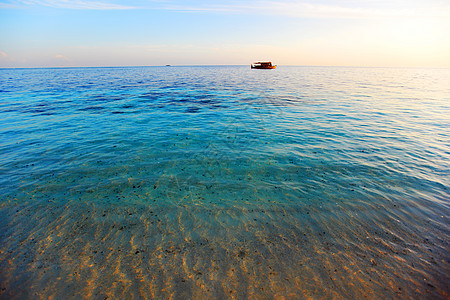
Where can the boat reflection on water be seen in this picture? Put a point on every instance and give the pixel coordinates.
(263, 65)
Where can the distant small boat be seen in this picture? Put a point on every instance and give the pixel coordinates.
(263, 65)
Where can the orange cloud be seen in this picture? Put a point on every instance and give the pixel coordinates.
(60, 56)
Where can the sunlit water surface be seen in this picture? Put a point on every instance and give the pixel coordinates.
(224, 182)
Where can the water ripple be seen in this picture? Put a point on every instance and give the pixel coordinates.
(206, 182)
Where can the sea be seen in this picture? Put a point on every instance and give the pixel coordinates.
(223, 182)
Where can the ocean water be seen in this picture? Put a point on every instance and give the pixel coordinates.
(224, 183)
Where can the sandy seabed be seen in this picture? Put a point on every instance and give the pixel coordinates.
(95, 251)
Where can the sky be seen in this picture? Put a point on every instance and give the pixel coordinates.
(379, 33)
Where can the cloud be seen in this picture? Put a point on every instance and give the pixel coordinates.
(75, 4)
(6, 59)
(62, 57)
(349, 9)
(344, 9)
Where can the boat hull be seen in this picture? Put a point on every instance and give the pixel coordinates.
(260, 67)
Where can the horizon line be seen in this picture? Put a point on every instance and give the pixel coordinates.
(227, 65)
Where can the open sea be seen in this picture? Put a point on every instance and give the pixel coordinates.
(222, 182)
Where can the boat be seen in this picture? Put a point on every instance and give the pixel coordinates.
(263, 65)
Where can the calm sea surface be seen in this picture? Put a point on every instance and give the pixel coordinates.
(224, 182)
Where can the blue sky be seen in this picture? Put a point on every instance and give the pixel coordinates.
(43, 33)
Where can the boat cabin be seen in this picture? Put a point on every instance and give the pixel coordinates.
(263, 65)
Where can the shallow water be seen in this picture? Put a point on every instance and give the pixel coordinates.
(224, 182)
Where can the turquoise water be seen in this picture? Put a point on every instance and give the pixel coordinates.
(224, 182)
